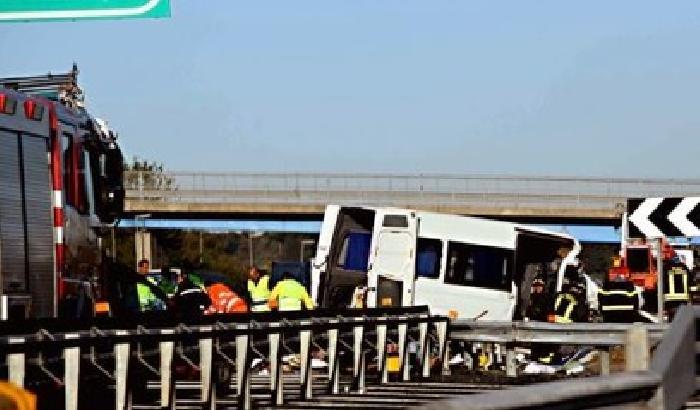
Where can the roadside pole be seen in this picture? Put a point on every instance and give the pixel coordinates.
(659, 279)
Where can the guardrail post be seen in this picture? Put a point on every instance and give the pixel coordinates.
(675, 360)
(16, 365)
(358, 364)
(243, 371)
(122, 357)
(511, 367)
(306, 372)
(167, 381)
(637, 348)
(71, 375)
(381, 353)
(605, 361)
(404, 367)
(443, 347)
(333, 368)
(273, 340)
(423, 341)
(276, 373)
(206, 371)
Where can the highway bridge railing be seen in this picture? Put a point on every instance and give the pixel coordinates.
(666, 383)
(431, 191)
(114, 348)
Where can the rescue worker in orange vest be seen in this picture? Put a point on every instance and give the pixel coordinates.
(224, 300)
(15, 398)
(259, 289)
(289, 295)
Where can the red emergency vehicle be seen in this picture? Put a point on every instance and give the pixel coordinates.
(60, 189)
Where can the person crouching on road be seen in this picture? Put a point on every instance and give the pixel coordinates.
(259, 289)
(289, 295)
(224, 300)
(190, 300)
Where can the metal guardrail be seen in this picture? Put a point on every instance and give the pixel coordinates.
(667, 384)
(115, 346)
(511, 334)
(404, 189)
(581, 334)
(230, 339)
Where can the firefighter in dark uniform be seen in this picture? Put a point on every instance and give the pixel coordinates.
(676, 285)
(570, 304)
(619, 300)
(540, 301)
(190, 300)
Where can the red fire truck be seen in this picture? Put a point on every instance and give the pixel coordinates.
(60, 189)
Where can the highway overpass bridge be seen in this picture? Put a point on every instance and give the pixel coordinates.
(304, 195)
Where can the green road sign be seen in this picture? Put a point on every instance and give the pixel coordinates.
(30, 10)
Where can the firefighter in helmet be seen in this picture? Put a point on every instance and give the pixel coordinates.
(619, 300)
(540, 301)
(570, 304)
(676, 285)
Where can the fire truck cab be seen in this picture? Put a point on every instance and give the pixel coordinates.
(60, 187)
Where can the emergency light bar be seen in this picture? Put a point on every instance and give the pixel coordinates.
(8, 105)
(33, 111)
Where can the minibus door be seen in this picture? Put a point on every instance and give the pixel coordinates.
(392, 263)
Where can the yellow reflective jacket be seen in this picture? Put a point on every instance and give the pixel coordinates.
(259, 293)
(290, 295)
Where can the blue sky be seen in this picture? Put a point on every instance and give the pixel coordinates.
(454, 86)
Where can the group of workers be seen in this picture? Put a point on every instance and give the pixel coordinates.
(568, 305)
(619, 301)
(186, 294)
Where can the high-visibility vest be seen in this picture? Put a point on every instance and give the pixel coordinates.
(564, 307)
(224, 300)
(618, 300)
(147, 300)
(16, 398)
(290, 295)
(677, 285)
(259, 293)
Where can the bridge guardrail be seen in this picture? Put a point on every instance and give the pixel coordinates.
(422, 190)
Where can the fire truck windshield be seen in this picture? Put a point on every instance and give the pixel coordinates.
(638, 259)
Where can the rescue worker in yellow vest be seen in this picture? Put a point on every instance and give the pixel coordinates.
(259, 290)
(289, 295)
(149, 295)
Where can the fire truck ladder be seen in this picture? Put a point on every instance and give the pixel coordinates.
(59, 87)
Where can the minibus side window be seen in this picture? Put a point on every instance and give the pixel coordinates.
(428, 257)
(480, 266)
(354, 253)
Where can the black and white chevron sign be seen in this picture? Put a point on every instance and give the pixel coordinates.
(658, 217)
